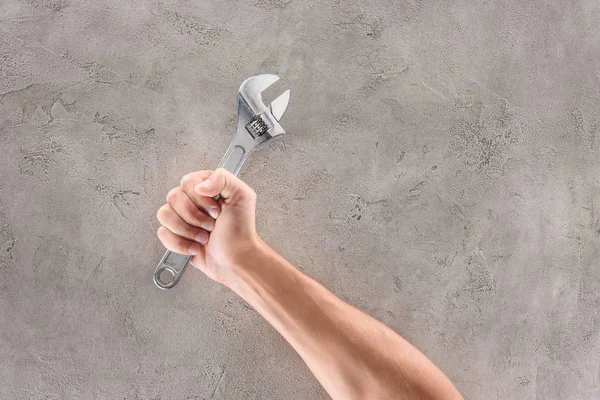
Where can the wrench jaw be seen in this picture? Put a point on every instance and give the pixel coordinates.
(256, 122)
(265, 119)
(252, 88)
(280, 104)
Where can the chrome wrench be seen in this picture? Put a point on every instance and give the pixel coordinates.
(256, 124)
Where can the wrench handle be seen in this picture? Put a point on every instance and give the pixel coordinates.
(234, 158)
(171, 265)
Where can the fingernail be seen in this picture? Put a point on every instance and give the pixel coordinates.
(202, 185)
(202, 237)
(208, 225)
(194, 249)
(213, 212)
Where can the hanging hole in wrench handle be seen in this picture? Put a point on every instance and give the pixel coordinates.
(169, 269)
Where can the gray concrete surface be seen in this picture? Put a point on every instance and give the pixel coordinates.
(441, 172)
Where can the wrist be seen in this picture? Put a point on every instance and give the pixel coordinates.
(247, 263)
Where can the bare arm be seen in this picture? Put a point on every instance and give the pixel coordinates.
(353, 355)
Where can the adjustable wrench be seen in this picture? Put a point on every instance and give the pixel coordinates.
(256, 124)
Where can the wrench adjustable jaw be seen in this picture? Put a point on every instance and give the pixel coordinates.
(256, 124)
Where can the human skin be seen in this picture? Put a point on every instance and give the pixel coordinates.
(353, 355)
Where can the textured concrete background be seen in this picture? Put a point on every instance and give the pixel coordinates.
(441, 172)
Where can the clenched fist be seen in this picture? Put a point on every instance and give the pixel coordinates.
(217, 233)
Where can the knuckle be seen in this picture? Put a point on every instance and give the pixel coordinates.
(162, 212)
(185, 180)
(172, 195)
(161, 233)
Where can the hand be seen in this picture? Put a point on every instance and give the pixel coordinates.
(218, 234)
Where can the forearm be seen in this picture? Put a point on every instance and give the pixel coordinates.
(352, 355)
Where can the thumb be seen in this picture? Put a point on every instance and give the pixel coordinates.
(221, 182)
